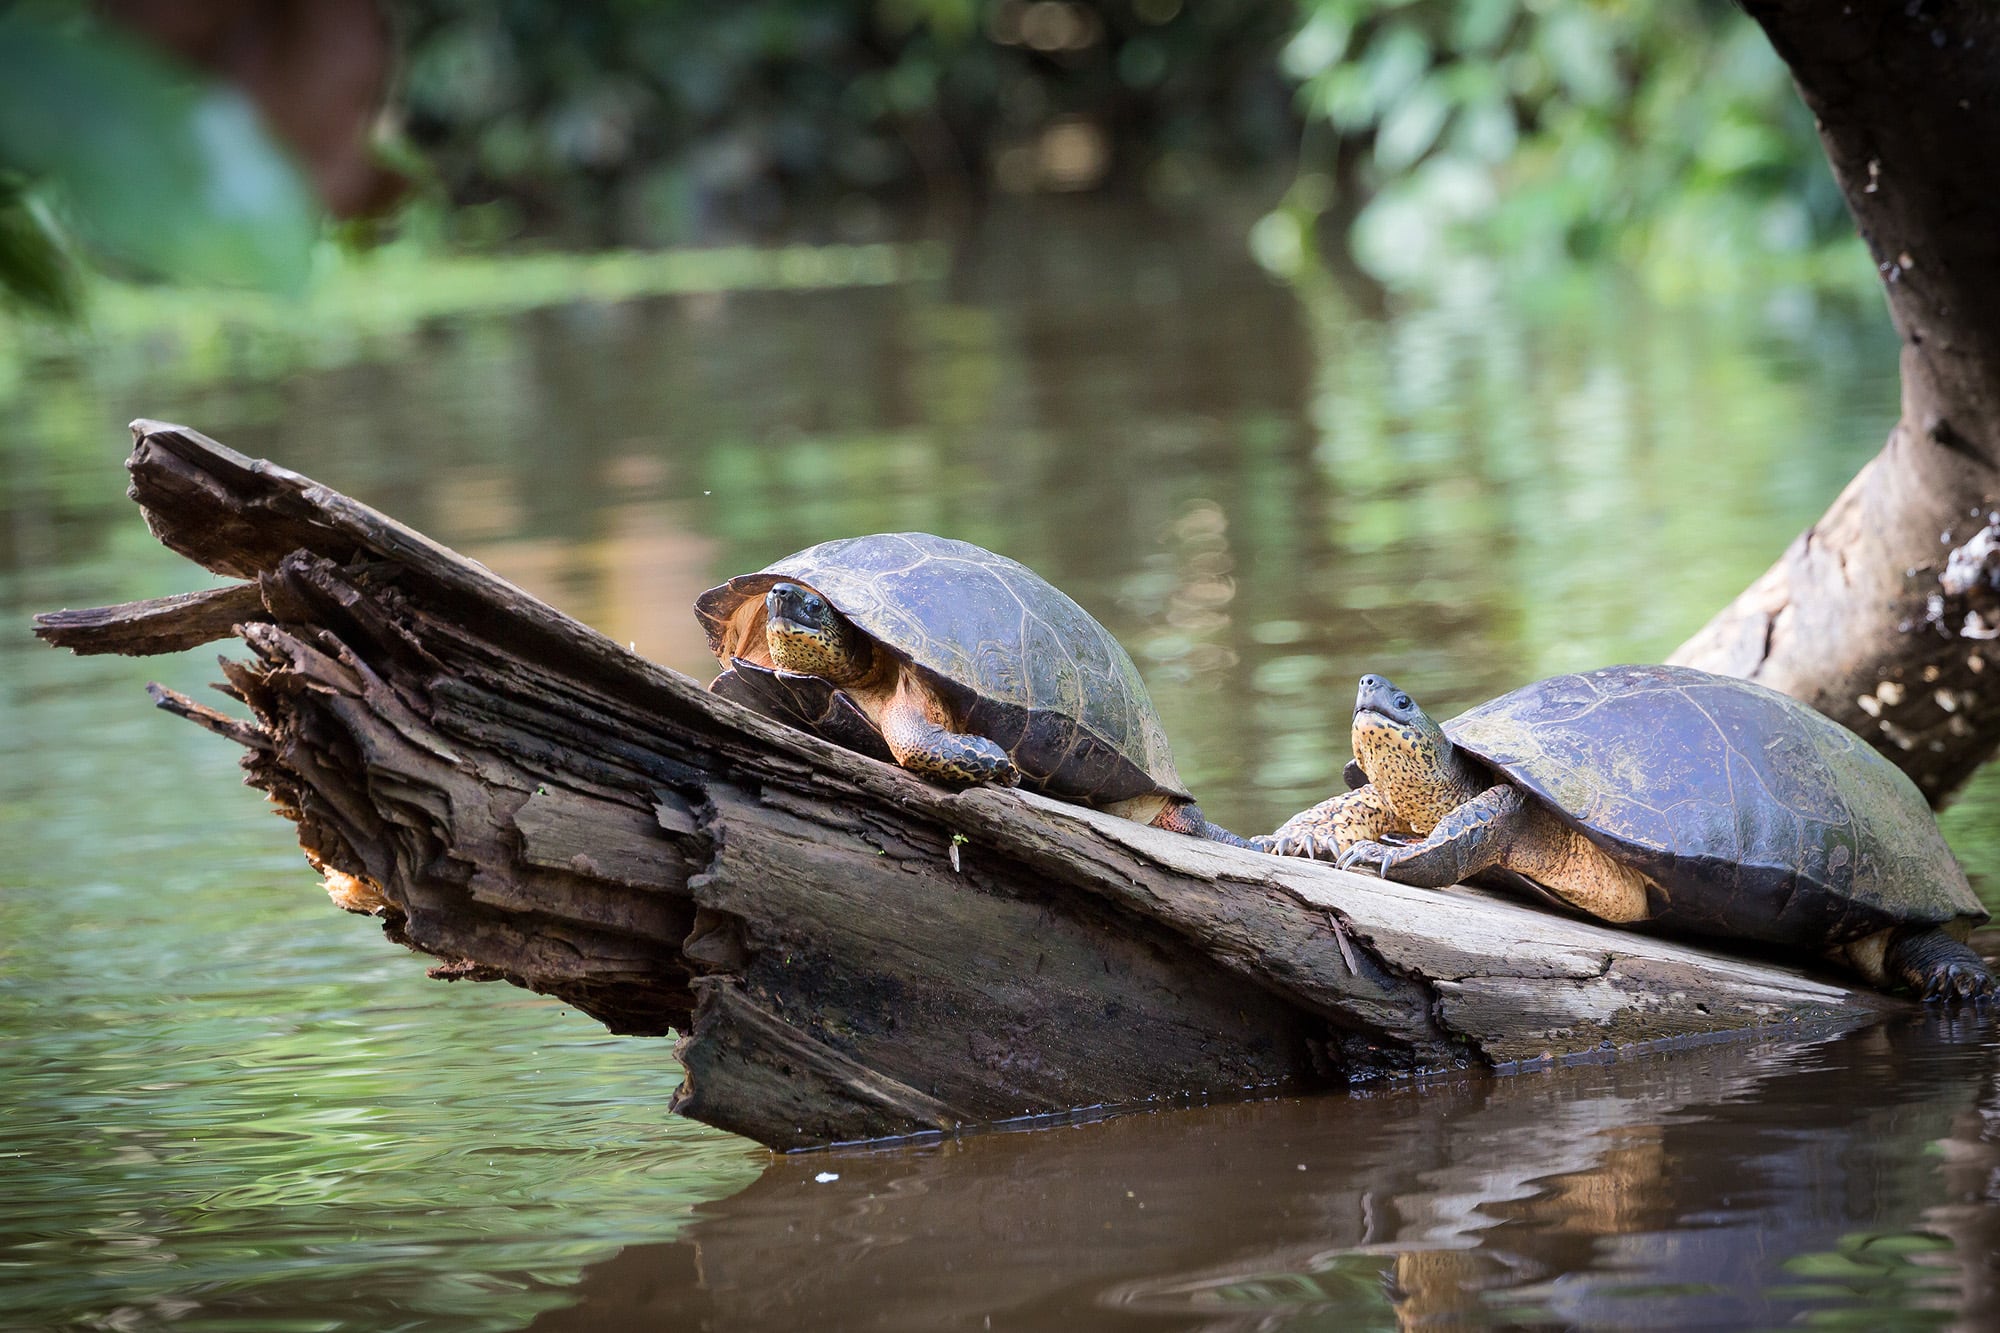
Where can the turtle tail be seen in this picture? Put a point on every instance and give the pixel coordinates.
(1186, 817)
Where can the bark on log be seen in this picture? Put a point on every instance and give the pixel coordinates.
(1882, 614)
(851, 952)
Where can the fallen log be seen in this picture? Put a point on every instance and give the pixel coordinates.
(848, 951)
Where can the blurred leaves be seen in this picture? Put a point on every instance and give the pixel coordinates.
(150, 169)
(34, 267)
(644, 123)
(318, 72)
(1667, 137)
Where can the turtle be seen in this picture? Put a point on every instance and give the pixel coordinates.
(956, 663)
(1663, 797)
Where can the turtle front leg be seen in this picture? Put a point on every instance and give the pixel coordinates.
(926, 746)
(1334, 825)
(1936, 966)
(1472, 837)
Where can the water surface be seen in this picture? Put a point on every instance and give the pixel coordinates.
(227, 1105)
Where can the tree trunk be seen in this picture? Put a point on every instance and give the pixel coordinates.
(1882, 614)
(850, 951)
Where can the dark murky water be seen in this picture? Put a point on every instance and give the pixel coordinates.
(1738, 1187)
(225, 1105)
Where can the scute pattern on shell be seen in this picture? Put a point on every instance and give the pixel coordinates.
(1756, 815)
(1031, 669)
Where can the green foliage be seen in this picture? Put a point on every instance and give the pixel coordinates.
(35, 268)
(146, 167)
(650, 122)
(1668, 137)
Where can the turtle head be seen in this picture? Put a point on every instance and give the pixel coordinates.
(805, 634)
(1406, 756)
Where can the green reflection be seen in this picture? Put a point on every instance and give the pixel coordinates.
(1340, 1291)
(1892, 1280)
(225, 1102)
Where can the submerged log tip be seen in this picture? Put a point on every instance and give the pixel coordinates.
(784, 1088)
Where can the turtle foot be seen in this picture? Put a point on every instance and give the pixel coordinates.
(1186, 817)
(1364, 856)
(1959, 982)
(1940, 969)
(953, 758)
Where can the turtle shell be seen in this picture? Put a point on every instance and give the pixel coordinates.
(1017, 660)
(1754, 815)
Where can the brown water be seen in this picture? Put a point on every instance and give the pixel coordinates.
(225, 1105)
(1746, 1187)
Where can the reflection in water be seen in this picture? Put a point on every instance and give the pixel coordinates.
(1737, 1187)
(225, 1102)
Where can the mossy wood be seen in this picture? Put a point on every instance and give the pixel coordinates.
(849, 951)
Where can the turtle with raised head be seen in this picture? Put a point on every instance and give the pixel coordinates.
(1667, 797)
(954, 662)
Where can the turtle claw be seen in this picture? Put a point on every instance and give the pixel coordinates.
(1366, 854)
(1958, 982)
(1282, 843)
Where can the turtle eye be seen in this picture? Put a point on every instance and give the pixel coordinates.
(1402, 701)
